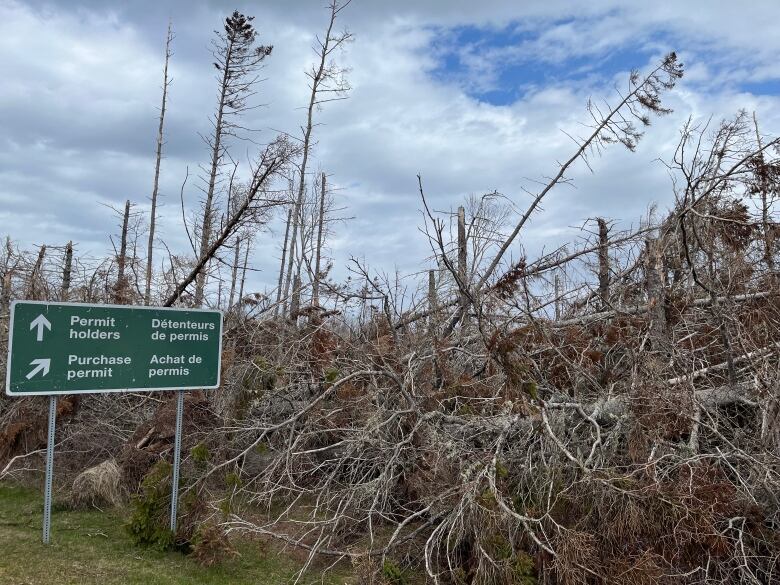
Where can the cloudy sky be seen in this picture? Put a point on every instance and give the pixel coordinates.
(474, 96)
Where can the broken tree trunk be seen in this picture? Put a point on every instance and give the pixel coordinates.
(284, 256)
(66, 272)
(121, 286)
(32, 283)
(655, 295)
(462, 262)
(433, 303)
(603, 263)
(315, 291)
(234, 274)
(243, 278)
(5, 295)
(295, 302)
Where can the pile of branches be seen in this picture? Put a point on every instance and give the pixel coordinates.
(567, 452)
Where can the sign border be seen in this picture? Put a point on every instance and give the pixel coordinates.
(12, 310)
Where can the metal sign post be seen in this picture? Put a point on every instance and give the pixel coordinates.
(176, 458)
(49, 469)
(74, 348)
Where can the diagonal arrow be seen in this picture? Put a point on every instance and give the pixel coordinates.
(40, 364)
(40, 322)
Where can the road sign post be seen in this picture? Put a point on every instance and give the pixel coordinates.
(176, 459)
(73, 348)
(49, 469)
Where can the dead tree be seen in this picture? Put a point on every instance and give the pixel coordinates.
(603, 263)
(158, 160)
(295, 302)
(433, 302)
(237, 61)
(326, 84)
(67, 268)
(9, 266)
(5, 294)
(462, 262)
(35, 276)
(243, 276)
(234, 272)
(284, 257)
(315, 285)
(121, 286)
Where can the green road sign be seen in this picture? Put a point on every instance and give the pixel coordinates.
(71, 348)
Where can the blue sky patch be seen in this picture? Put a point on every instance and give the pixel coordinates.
(766, 87)
(510, 68)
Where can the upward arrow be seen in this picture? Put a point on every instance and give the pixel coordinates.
(40, 322)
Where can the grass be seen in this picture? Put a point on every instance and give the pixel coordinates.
(92, 547)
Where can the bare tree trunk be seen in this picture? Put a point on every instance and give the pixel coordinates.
(291, 256)
(655, 295)
(153, 215)
(315, 292)
(769, 256)
(433, 326)
(462, 261)
(66, 272)
(303, 259)
(205, 237)
(297, 212)
(557, 293)
(284, 257)
(433, 303)
(295, 302)
(5, 285)
(678, 260)
(299, 262)
(243, 278)
(120, 289)
(32, 289)
(5, 297)
(235, 273)
(603, 263)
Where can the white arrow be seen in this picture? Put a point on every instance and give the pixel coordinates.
(40, 364)
(40, 322)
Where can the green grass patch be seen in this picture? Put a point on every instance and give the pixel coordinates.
(93, 547)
